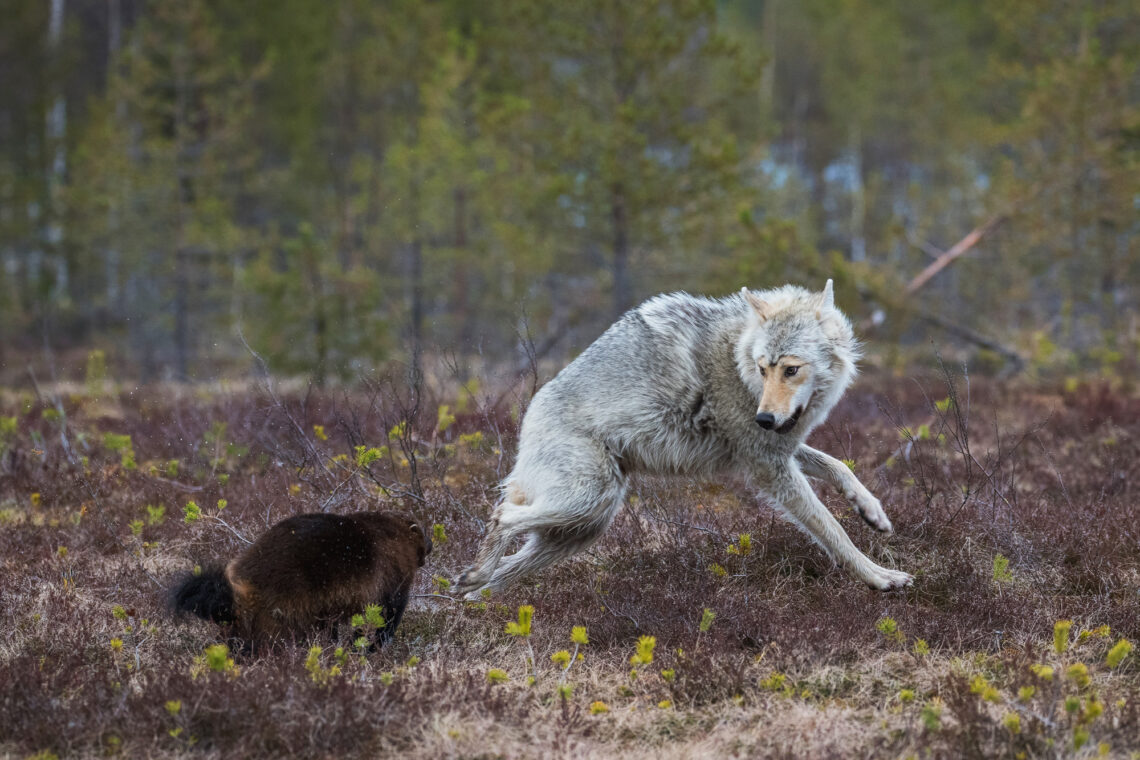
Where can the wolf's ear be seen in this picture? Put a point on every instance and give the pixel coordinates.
(762, 308)
(826, 300)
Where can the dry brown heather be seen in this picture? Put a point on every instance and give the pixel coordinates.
(800, 661)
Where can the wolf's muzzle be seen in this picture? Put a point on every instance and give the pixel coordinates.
(791, 422)
(766, 420)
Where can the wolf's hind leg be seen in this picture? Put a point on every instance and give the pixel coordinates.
(490, 553)
(564, 518)
(825, 467)
(790, 489)
(542, 548)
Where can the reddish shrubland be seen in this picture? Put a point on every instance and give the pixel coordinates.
(1013, 506)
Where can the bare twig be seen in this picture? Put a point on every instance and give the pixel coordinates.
(231, 529)
(956, 250)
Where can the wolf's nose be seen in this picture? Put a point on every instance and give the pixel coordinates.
(766, 420)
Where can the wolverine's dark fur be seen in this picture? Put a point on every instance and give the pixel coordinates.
(310, 569)
(208, 595)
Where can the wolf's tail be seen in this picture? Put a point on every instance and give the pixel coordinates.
(207, 594)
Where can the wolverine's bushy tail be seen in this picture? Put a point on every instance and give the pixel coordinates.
(207, 594)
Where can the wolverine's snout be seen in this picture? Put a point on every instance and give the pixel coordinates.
(766, 420)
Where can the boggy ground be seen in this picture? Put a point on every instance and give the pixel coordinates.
(1014, 506)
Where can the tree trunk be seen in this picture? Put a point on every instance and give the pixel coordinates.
(416, 277)
(623, 288)
(111, 254)
(858, 199)
(181, 316)
(461, 303)
(184, 197)
(56, 130)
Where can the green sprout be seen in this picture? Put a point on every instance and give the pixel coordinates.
(367, 455)
(645, 647)
(191, 512)
(522, 627)
(1118, 652)
(1061, 635)
(1001, 569)
(890, 629)
(445, 418)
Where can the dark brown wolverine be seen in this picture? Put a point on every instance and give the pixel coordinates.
(311, 569)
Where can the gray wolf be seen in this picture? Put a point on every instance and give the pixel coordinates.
(692, 386)
(311, 569)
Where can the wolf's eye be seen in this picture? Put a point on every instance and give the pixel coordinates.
(789, 371)
(762, 372)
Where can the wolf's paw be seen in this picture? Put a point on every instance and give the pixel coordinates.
(468, 583)
(882, 579)
(869, 508)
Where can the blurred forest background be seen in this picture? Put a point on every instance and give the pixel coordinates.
(354, 182)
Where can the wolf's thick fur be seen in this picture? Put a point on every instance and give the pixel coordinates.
(687, 386)
(311, 569)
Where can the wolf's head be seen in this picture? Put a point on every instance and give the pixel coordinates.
(796, 354)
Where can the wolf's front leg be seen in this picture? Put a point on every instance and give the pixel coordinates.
(792, 493)
(825, 467)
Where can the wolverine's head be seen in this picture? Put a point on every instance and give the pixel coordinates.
(422, 540)
(796, 350)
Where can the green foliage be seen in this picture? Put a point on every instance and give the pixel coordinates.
(889, 628)
(121, 444)
(216, 659)
(472, 440)
(1001, 569)
(96, 373)
(155, 514)
(373, 616)
(1118, 652)
(319, 674)
(931, 715)
(445, 418)
(707, 618)
(1061, 635)
(645, 647)
(438, 535)
(521, 627)
(1078, 673)
(191, 512)
(497, 675)
(364, 455)
(742, 546)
